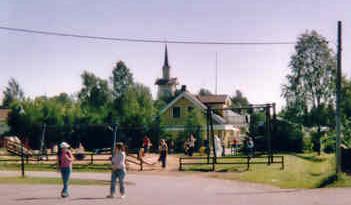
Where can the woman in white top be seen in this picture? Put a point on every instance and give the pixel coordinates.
(118, 171)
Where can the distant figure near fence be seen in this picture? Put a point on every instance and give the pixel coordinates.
(65, 159)
(250, 146)
(235, 147)
(163, 149)
(146, 144)
(189, 145)
(218, 146)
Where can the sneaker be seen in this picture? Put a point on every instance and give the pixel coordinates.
(111, 196)
(64, 194)
(123, 196)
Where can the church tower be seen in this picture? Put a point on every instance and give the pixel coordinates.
(166, 84)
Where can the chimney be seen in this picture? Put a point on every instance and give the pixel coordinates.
(183, 88)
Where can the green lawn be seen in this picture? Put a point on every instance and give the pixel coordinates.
(301, 171)
(49, 167)
(49, 180)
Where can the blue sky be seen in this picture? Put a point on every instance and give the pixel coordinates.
(50, 65)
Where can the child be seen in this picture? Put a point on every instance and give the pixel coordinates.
(65, 160)
(118, 171)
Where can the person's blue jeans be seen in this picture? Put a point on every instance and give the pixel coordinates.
(120, 174)
(65, 173)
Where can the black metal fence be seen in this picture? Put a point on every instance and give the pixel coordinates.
(212, 162)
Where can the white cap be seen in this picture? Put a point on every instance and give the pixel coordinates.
(64, 145)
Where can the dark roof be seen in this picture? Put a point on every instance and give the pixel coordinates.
(212, 99)
(172, 81)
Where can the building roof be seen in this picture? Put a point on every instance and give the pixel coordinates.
(3, 114)
(172, 81)
(213, 99)
(218, 119)
(188, 96)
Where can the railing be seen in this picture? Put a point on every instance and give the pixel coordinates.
(89, 159)
(231, 160)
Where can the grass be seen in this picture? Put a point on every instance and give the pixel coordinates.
(301, 171)
(50, 167)
(49, 180)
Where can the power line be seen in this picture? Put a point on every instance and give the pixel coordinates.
(143, 40)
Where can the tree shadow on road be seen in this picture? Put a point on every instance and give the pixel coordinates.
(58, 198)
(259, 192)
(88, 198)
(37, 198)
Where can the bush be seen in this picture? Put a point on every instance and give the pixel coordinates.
(288, 137)
(328, 142)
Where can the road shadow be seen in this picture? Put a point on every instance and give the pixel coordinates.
(59, 198)
(37, 198)
(259, 192)
(88, 198)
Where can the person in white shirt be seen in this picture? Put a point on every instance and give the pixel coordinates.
(118, 171)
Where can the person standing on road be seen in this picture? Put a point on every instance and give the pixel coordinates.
(118, 171)
(65, 159)
(163, 149)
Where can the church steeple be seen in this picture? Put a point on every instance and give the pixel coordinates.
(166, 67)
(166, 57)
(166, 84)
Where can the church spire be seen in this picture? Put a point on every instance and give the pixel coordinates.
(165, 64)
(166, 67)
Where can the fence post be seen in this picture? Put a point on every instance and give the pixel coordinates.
(208, 149)
(141, 164)
(283, 162)
(92, 158)
(213, 164)
(22, 160)
(180, 163)
(248, 163)
(42, 141)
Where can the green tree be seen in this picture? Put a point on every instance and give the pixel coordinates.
(137, 114)
(239, 100)
(121, 79)
(310, 84)
(137, 106)
(204, 92)
(13, 92)
(195, 123)
(345, 105)
(95, 97)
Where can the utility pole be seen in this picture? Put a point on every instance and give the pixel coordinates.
(42, 141)
(22, 159)
(216, 75)
(338, 96)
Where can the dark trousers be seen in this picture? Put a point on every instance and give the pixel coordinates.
(163, 158)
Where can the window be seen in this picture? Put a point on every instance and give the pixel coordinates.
(176, 112)
(190, 109)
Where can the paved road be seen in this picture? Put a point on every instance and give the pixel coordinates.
(170, 190)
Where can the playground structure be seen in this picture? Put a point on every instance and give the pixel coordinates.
(212, 159)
